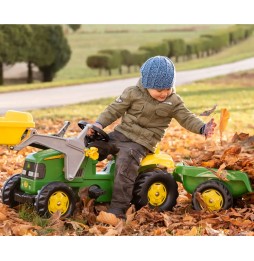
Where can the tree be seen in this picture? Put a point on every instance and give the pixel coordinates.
(74, 27)
(99, 61)
(50, 51)
(14, 45)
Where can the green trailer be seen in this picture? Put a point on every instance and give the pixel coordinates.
(208, 190)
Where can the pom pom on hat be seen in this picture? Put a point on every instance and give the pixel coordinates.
(158, 73)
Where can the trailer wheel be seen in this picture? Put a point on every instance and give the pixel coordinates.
(214, 195)
(10, 187)
(157, 188)
(53, 197)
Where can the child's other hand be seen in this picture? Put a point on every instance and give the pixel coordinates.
(209, 128)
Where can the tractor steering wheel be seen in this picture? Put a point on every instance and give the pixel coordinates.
(99, 134)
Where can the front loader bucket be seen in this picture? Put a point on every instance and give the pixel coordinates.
(13, 125)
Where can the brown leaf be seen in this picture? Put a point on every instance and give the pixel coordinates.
(167, 219)
(221, 173)
(2, 217)
(213, 232)
(95, 230)
(77, 225)
(208, 112)
(55, 221)
(192, 232)
(108, 218)
(224, 117)
(116, 231)
(231, 155)
(208, 164)
(201, 201)
(130, 214)
(239, 137)
(24, 230)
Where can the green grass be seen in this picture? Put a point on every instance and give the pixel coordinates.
(61, 83)
(28, 213)
(89, 110)
(238, 100)
(200, 96)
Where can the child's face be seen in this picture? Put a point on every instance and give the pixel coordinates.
(160, 95)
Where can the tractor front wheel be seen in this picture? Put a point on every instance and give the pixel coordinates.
(213, 194)
(53, 197)
(157, 188)
(10, 187)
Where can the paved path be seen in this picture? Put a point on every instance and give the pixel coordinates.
(29, 100)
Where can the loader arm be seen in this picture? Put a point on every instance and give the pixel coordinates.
(72, 148)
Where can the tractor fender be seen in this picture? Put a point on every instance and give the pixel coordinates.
(158, 159)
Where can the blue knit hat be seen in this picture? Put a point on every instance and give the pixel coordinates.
(158, 73)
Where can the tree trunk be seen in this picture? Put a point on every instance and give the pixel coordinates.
(1, 74)
(47, 74)
(29, 73)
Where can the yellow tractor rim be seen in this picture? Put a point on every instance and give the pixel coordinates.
(213, 199)
(157, 194)
(58, 201)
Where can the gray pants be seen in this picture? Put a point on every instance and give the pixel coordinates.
(127, 164)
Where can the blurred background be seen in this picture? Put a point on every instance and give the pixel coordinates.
(79, 53)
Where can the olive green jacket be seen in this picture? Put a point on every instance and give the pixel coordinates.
(144, 119)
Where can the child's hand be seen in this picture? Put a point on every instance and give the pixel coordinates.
(97, 124)
(91, 131)
(209, 128)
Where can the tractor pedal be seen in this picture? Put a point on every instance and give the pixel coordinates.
(94, 192)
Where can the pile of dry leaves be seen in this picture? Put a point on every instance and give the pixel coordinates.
(222, 152)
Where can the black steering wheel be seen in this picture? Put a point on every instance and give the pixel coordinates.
(99, 134)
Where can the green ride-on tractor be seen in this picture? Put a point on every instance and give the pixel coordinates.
(52, 177)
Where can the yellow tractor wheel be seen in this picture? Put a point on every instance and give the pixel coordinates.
(53, 197)
(155, 188)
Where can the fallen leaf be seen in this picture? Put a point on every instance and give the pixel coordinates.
(108, 218)
(213, 232)
(192, 232)
(2, 217)
(224, 117)
(208, 112)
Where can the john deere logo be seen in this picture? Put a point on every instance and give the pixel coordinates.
(28, 165)
(25, 184)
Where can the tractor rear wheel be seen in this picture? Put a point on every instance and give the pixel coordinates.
(10, 187)
(155, 188)
(214, 195)
(53, 197)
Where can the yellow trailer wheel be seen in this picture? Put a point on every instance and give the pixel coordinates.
(212, 195)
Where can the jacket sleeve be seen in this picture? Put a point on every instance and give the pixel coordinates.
(116, 109)
(186, 118)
